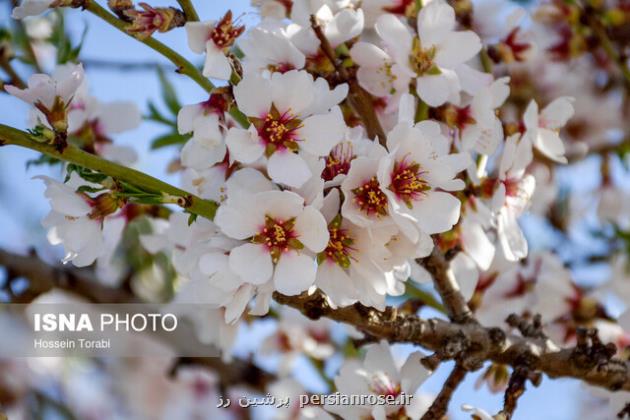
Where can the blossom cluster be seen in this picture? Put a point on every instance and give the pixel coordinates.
(350, 141)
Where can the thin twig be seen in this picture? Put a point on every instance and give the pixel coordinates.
(360, 100)
(189, 10)
(446, 285)
(440, 404)
(182, 65)
(14, 78)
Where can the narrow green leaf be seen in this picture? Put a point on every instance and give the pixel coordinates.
(169, 140)
(168, 92)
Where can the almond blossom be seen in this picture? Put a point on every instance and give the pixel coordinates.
(430, 58)
(214, 39)
(417, 166)
(269, 48)
(542, 129)
(355, 265)
(81, 223)
(350, 172)
(282, 237)
(32, 8)
(378, 374)
(52, 95)
(291, 114)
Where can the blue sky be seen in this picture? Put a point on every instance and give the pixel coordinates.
(23, 204)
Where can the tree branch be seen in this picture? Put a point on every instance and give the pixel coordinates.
(14, 78)
(584, 362)
(477, 342)
(446, 285)
(189, 10)
(73, 154)
(360, 100)
(439, 406)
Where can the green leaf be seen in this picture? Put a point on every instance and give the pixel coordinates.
(157, 116)
(73, 55)
(88, 189)
(87, 174)
(43, 160)
(168, 92)
(191, 218)
(169, 140)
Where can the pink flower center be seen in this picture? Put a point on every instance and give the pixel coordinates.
(458, 117)
(278, 131)
(225, 33)
(278, 237)
(381, 384)
(370, 199)
(339, 246)
(338, 161)
(407, 181)
(402, 7)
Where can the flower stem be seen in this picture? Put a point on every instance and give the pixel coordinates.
(422, 112)
(14, 78)
(73, 154)
(189, 10)
(183, 66)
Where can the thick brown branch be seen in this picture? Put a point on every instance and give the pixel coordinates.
(475, 341)
(440, 404)
(360, 100)
(480, 343)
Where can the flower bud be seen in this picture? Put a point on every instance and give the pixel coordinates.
(145, 22)
(57, 115)
(105, 204)
(119, 7)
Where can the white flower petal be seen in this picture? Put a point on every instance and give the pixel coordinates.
(253, 96)
(434, 90)
(252, 263)
(198, 34)
(435, 21)
(236, 307)
(457, 48)
(236, 222)
(292, 91)
(312, 229)
(413, 373)
(294, 274)
(288, 168)
(437, 212)
(396, 35)
(244, 145)
(217, 65)
(320, 133)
